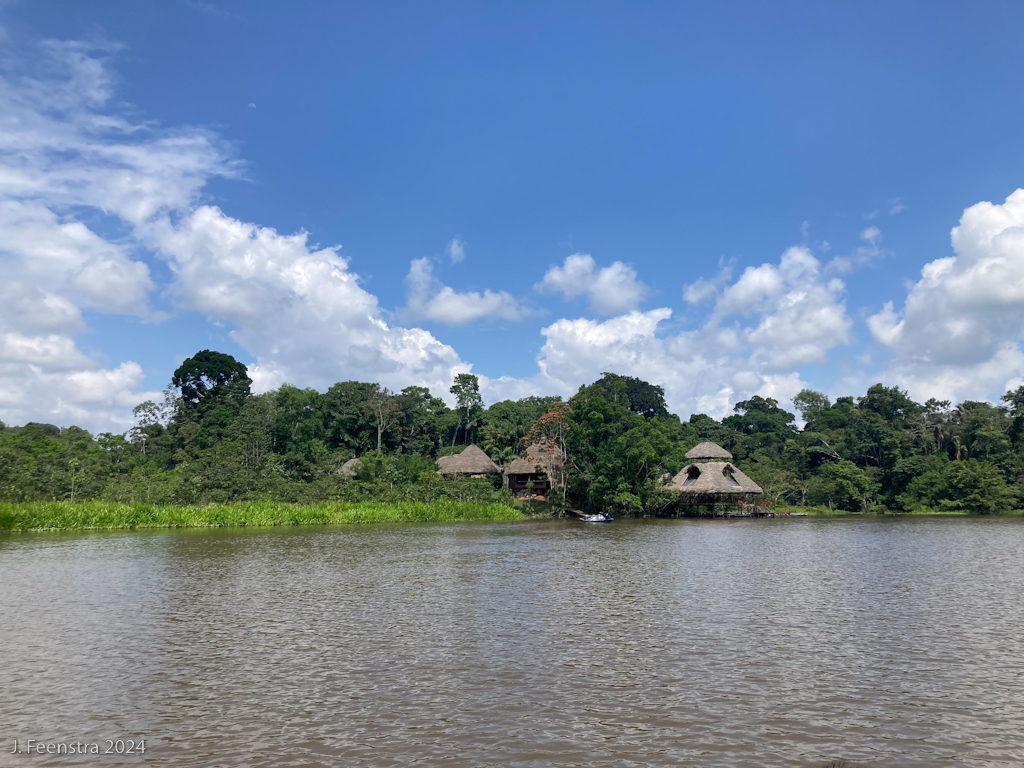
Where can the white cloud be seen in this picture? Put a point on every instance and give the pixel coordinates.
(703, 289)
(28, 309)
(795, 317)
(871, 235)
(958, 332)
(302, 313)
(46, 378)
(801, 313)
(428, 299)
(611, 290)
(66, 256)
(456, 250)
(861, 256)
(299, 311)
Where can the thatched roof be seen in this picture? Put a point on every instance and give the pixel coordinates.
(472, 461)
(539, 457)
(349, 468)
(708, 450)
(712, 477)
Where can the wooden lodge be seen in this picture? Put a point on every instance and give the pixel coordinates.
(535, 472)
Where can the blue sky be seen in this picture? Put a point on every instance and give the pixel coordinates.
(673, 143)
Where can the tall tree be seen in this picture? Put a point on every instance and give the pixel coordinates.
(346, 425)
(419, 421)
(385, 411)
(468, 402)
(210, 376)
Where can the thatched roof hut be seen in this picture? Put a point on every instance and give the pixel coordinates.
(712, 478)
(538, 458)
(472, 462)
(707, 450)
(349, 468)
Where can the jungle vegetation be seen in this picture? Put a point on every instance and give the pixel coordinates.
(211, 441)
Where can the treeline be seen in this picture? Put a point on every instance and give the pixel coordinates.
(212, 441)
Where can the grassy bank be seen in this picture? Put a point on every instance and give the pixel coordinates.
(62, 515)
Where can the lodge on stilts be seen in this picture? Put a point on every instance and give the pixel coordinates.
(535, 472)
(712, 486)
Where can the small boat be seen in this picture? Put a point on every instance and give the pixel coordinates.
(597, 518)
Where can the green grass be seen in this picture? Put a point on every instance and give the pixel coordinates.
(63, 515)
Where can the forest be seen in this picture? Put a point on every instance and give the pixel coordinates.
(211, 441)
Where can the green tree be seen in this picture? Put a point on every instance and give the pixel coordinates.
(209, 377)
(420, 421)
(385, 411)
(346, 425)
(468, 402)
(843, 485)
(812, 405)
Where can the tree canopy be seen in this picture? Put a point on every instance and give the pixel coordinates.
(210, 439)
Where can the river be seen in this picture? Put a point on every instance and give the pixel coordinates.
(761, 643)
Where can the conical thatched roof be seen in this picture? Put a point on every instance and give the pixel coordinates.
(349, 468)
(708, 450)
(472, 461)
(539, 457)
(712, 477)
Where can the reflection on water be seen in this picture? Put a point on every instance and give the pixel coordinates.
(693, 643)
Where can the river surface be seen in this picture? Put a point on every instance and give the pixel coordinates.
(642, 643)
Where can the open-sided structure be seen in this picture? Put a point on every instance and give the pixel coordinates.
(711, 482)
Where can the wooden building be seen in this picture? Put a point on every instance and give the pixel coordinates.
(536, 472)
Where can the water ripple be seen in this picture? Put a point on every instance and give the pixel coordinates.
(644, 643)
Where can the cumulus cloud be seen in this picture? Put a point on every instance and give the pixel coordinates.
(59, 152)
(46, 378)
(298, 310)
(68, 160)
(428, 299)
(610, 290)
(802, 315)
(772, 319)
(958, 332)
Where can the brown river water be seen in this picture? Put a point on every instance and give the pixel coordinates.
(641, 643)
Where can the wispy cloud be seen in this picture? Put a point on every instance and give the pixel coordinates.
(456, 250)
(209, 9)
(862, 255)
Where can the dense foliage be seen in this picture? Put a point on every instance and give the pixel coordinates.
(212, 441)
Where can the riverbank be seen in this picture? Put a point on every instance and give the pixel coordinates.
(85, 515)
